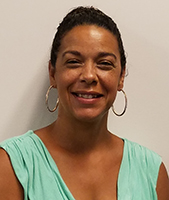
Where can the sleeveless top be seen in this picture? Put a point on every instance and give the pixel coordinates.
(40, 178)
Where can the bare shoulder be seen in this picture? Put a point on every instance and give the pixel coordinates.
(163, 184)
(42, 132)
(45, 134)
(8, 180)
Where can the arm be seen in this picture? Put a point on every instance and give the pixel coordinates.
(10, 188)
(162, 184)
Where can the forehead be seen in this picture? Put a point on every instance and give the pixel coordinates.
(89, 37)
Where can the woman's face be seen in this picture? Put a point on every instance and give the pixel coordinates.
(87, 74)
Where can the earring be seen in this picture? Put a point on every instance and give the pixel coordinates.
(47, 96)
(125, 107)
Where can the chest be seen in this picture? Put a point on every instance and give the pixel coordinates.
(95, 180)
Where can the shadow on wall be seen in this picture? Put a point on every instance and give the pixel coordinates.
(40, 115)
(30, 112)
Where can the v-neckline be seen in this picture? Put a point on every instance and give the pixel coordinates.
(55, 167)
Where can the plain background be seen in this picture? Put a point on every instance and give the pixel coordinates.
(26, 32)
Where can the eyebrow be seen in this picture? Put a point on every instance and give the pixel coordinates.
(100, 54)
(76, 53)
(104, 54)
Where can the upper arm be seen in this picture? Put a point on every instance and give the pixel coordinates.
(10, 188)
(163, 184)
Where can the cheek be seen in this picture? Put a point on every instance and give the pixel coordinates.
(64, 79)
(110, 80)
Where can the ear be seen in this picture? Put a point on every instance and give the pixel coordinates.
(52, 72)
(121, 80)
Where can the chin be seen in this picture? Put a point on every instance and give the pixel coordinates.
(91, 117)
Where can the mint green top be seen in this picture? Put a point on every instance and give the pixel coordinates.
(41, 180)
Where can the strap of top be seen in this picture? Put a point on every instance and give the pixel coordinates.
(138, 173)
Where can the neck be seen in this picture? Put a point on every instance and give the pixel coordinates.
(78, 136)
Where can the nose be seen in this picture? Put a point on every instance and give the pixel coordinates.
(89, 74)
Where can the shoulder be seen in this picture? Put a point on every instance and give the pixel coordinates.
(143, 154)
(144, 160)
(8, 180)
(15, 154)
(163, 184)
(21, 151)
(17, 143)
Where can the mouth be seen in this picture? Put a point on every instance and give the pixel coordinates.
(87, 96)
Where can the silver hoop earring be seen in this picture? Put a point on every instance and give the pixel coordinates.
(47, 96)
(125, 107)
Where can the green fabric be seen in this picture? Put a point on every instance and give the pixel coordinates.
(41, 180)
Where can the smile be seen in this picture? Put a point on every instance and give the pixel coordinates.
(88, 96)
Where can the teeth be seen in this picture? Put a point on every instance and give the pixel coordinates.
(87, 96)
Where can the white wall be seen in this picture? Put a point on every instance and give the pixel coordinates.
(26, 32)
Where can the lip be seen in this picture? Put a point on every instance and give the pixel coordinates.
(93, 93)
(87, 97)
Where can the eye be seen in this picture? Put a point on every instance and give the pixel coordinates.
(105, 65)
(73, 63)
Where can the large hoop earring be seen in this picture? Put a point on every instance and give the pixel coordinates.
(125, 107)
(47, 96)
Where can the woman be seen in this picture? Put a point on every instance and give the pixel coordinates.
(76, 157)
